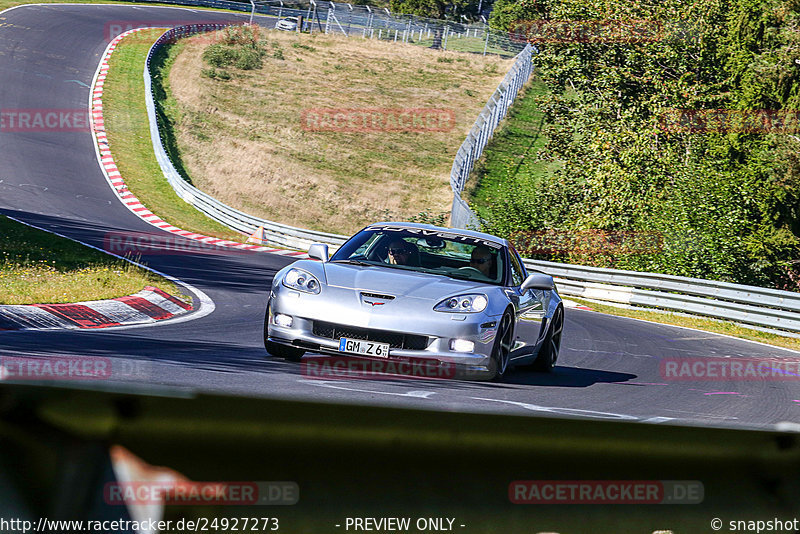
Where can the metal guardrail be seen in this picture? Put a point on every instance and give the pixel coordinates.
(749, 305)
(277, 233)
(461, 216)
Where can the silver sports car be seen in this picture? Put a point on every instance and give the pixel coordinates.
(403, 292)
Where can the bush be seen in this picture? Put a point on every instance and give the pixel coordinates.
(215, 74)
(244, 57)
(249, 58)
(220, 55)
(725, 201)
(241, 35)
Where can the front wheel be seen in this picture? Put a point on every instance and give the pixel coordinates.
(276, 349)
(548, 354)
(502, 348)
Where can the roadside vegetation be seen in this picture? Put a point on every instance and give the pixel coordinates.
(614, 143)
(511, 161)
(37, 267)
(237, 118)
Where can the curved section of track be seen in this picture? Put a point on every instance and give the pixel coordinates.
(609, 367)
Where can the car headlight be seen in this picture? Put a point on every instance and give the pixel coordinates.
(301, 281)
(471, 303)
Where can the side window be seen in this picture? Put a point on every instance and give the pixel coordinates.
(517, 270)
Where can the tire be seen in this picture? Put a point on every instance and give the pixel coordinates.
(276, 349)
(501, 350)
(548, 354)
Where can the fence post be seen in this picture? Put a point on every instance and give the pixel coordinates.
(486, 44)
(444, 46)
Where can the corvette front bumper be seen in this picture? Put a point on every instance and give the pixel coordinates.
(440, 329)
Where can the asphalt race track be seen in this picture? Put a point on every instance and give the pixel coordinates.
(608, 367)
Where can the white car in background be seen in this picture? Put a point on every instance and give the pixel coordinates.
(288, 24)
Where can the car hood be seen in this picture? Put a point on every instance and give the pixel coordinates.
(396, 282)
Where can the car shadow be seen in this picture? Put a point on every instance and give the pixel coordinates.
(560, 376)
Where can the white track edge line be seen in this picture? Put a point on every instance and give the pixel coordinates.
(692, 329)
(206, 306)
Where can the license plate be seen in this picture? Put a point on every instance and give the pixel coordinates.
(367, 348)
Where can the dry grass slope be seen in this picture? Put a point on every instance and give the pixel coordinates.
(242, 140)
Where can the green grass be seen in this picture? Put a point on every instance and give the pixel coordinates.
(37, 267)
(512, 152)
(474, 45)
(243, 140)
(129, 136)
(699, 323)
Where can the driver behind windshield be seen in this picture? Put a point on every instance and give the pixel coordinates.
(483, 260)
(401, 252)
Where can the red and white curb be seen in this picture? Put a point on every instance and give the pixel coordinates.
(117, 182)
(147, 306)
(572, 304)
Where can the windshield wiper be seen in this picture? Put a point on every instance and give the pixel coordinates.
(354, 262)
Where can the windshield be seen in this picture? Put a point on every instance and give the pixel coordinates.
(452, 255)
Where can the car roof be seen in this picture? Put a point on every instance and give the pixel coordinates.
(456, 231)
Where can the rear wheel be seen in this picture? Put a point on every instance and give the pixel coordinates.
(548, 354)
(502, 348)
(276, 349)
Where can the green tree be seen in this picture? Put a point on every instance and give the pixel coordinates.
(437, 9)
(505, 13)
(726, 201)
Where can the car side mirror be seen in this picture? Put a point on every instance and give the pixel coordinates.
(318, 251)
(538, 281)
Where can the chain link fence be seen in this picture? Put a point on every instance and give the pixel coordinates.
(461, 216)
(379, 23)
(375, 23)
